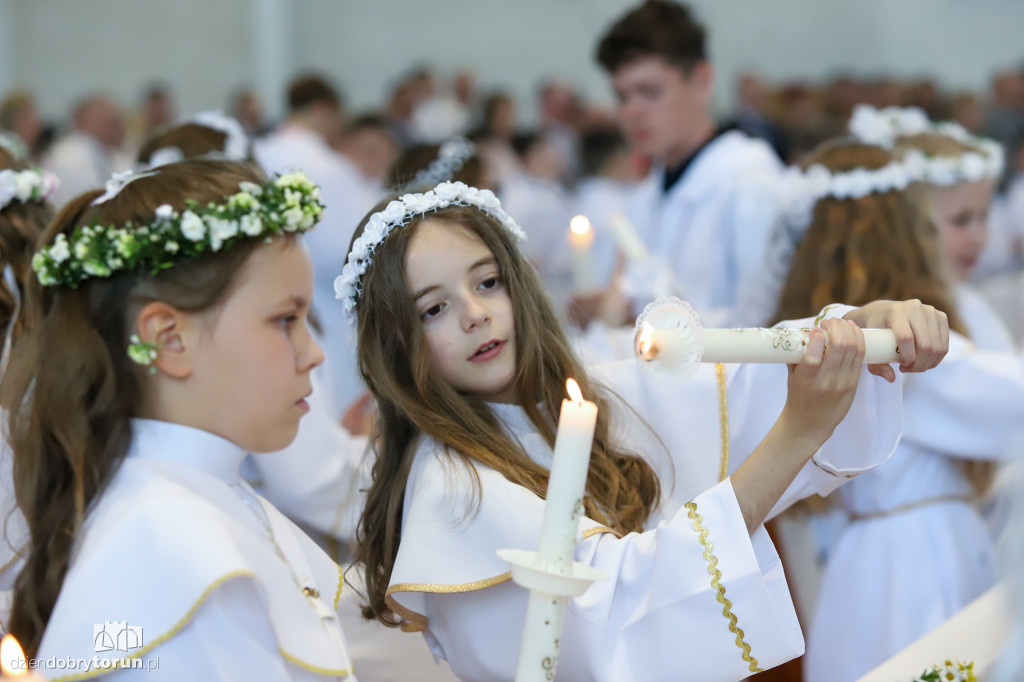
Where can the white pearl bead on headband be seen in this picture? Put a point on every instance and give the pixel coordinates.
(348, 285)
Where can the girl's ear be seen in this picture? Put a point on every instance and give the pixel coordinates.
(173, 334)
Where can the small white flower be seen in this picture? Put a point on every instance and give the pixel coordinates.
(60, 251)
(251, 225)
(221, 231)
(164, 212)
(293, 218)
(447, 191)
(394, 211)
(973, 167)
(251, 188)
(26, 184)
(81, 250)
(171, 246)
(192, 226)
(418, 203)
(360, 249)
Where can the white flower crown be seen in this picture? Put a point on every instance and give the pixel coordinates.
(25, 185)
(348, 285)
(800, 190)
(236, 143)
(883, 127)
(451, 157)
(290, 203)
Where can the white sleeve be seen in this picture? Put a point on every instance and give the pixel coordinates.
(866, 437)
(696, 598)
(970, 406)
(228, 638)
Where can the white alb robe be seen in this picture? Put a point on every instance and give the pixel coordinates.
(712, 226)
(917, 550)
(214, 576)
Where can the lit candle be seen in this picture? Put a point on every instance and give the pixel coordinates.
(628, 240)
(581, 239)
(670, 334)
(12, 658)
(563, 504)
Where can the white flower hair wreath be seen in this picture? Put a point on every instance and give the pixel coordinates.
(883, 127)
(348, 285)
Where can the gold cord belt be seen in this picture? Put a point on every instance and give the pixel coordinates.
(911, 505)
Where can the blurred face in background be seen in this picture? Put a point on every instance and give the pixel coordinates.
(101, 119)
(960, 213)
(663, 111)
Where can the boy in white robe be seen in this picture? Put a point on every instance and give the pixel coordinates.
(710, 201)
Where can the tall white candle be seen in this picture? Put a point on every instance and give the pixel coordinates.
(563, 505)
(628, 240)
(581, 239)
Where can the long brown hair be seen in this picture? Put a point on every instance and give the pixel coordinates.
(21, 224)
(881, 246)
(70, 385)
(394, 360)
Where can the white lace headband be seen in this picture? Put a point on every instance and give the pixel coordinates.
(348, 285)
(451, 157)
(883, 127)
(236, 143)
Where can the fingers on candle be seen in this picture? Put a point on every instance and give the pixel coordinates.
(815, 352)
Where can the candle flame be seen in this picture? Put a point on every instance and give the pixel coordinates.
(644, 342)
(12, 658)
(579, 224)
(575, 394)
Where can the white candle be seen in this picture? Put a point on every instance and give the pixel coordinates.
(672, 346)
(628, 240)
(12, 658)
(581, 239)
(563, 504)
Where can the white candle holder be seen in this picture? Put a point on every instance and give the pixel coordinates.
(550, 587)
(670, 336)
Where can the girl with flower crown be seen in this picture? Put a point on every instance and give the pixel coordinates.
(461, 347)
(24, 213)
(165, 339)
(915, 550)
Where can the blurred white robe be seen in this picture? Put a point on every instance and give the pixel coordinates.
(712, 226)
(917, 550)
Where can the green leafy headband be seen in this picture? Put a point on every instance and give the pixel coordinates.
(289, 203)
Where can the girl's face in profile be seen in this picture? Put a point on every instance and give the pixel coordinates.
(960, 213)
(252, 366)
(464, 308)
